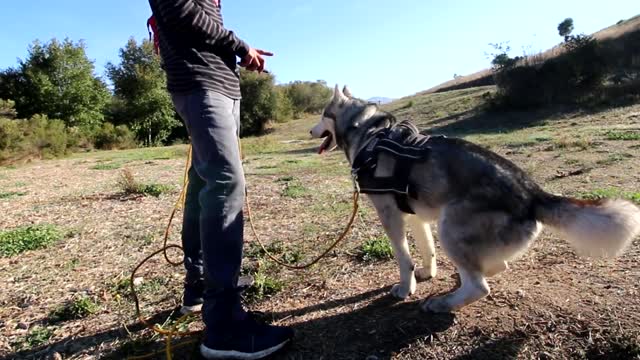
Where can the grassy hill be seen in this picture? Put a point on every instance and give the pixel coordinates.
(621, 34)
(550, 304)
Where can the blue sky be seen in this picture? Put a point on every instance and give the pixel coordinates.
(387, 48)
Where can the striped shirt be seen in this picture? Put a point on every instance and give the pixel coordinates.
(197, 51)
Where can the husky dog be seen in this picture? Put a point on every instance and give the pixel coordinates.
(487, 209)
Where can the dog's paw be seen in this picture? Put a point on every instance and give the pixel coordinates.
(436, 304)
(401, 291)
(424, 274)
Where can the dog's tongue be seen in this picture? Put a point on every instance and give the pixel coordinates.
(324, 145)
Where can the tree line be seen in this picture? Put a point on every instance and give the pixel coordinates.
(52, 102)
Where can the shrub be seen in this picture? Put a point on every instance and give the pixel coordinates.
(7, 109)
(110, 137)
(574, 76)
(259, 102)
(568, 78)
(308, 97)
(45, 136)
(10, 136)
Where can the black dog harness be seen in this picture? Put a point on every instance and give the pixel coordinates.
(407, 146)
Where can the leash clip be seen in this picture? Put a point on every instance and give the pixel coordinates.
(354, 178)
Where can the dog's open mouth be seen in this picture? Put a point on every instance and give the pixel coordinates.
(328, 140)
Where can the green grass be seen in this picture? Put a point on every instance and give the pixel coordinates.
(37, 336)
(76, 309)
(134, 347)
(121, 288)
(264, 286)
(11, 194)
(278, 249)
(293, 188)
(34, 237)
(142, 154)
(622, 135)
(72, 264)
(130, 186)
(377, 249)
(614, 158)
(153, 286)
(260, 145)
(154, 189)
(611, 193)
(107, 166)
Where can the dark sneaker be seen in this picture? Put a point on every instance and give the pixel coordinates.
(248, 340)
(192, 298)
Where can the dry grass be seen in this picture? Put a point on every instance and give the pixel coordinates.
(550, 304)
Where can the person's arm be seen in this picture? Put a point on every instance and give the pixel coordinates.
(189, 16)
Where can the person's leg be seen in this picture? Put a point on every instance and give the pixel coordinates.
(214, 206)
(213, 120)
(194, 278)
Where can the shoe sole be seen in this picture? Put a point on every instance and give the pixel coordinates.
(236, 355)
(186, 310)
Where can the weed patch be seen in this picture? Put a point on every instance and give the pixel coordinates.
(107, 166)
(293, 188)
(622, 135)
(11, 194)
(377, 249)
(38, 336)
(614, 158)
(264, 286)
(76, 309)
(611, 193)
(128, 185)
(17, 241)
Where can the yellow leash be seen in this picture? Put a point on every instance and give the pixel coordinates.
(173, 332)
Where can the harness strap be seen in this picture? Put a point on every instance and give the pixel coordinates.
(398, 184)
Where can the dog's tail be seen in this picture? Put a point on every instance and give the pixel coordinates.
(595, 227)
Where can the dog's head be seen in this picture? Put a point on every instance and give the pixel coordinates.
(326, 127)
(345, 122)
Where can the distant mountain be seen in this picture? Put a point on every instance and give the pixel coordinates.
(380, 100)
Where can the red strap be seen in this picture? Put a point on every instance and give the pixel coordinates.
(152, 27)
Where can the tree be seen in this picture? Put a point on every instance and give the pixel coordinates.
(142, 101)
(565, 28)
(259, 102)
(500, 58)
(57, 80)
(308, 97)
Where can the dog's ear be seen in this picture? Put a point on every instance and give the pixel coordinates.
(347, 92)
(338, 96)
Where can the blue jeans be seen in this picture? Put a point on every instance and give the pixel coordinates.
(212, 233)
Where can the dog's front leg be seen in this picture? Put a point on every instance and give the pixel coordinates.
(426, 246)
(393, 221)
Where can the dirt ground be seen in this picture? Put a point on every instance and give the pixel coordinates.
(550, 304)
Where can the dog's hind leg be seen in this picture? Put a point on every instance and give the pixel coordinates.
(426, 247)
(393, 221)
(496, 269)
(473, 287)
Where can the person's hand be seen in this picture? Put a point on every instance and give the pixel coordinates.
(254, 61)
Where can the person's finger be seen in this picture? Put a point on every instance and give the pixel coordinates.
(265, 53)
(252, 66)
(261, 66)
